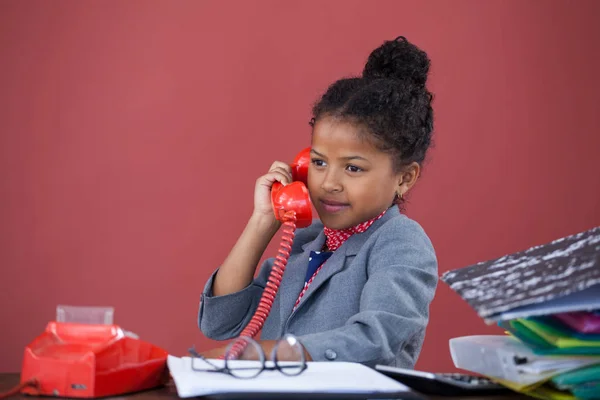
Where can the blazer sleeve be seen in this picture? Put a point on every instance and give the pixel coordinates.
(224, 317)
(394, 303)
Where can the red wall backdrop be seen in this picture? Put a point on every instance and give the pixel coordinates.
(131, 134)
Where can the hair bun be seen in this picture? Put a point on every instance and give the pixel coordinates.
(398, 59)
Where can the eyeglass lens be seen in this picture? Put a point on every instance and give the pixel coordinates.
(290, 351)
(250, 352)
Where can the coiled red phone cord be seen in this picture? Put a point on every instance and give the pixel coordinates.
(272, 287)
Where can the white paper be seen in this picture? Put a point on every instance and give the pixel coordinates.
(319, 377)
(554, 365)
(496, 356)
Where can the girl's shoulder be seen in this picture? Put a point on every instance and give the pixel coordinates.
(401, 228)
(399, 225)
(402, 239)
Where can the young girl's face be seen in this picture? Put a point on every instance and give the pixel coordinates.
(350, 181)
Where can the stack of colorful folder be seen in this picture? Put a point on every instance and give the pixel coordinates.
(547, 299)
(564, 334)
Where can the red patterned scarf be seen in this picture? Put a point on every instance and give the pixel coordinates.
(337, 237)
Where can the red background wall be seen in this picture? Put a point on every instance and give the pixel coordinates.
(131, 134)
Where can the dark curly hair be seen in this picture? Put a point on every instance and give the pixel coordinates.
(390, 100)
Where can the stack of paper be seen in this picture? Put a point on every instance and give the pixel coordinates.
(321, 380)
(547, 298)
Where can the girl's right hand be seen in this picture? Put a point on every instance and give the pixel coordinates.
(280, 172)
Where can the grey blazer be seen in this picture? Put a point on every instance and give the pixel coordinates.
(368, 304)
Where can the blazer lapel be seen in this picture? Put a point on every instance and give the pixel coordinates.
(337, 261)
(294, 275)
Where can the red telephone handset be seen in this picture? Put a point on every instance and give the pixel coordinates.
(294, 196)
(292, 206)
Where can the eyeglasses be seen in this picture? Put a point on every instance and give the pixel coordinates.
(254, 359)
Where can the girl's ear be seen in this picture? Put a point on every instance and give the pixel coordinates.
(407, 178)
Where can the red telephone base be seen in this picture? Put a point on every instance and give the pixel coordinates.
(86, 360)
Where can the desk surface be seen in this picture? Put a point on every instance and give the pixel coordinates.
(8, 381)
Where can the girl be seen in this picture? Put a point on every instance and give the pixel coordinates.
(359, 281)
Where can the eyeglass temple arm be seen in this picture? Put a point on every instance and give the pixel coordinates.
(194, 353)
